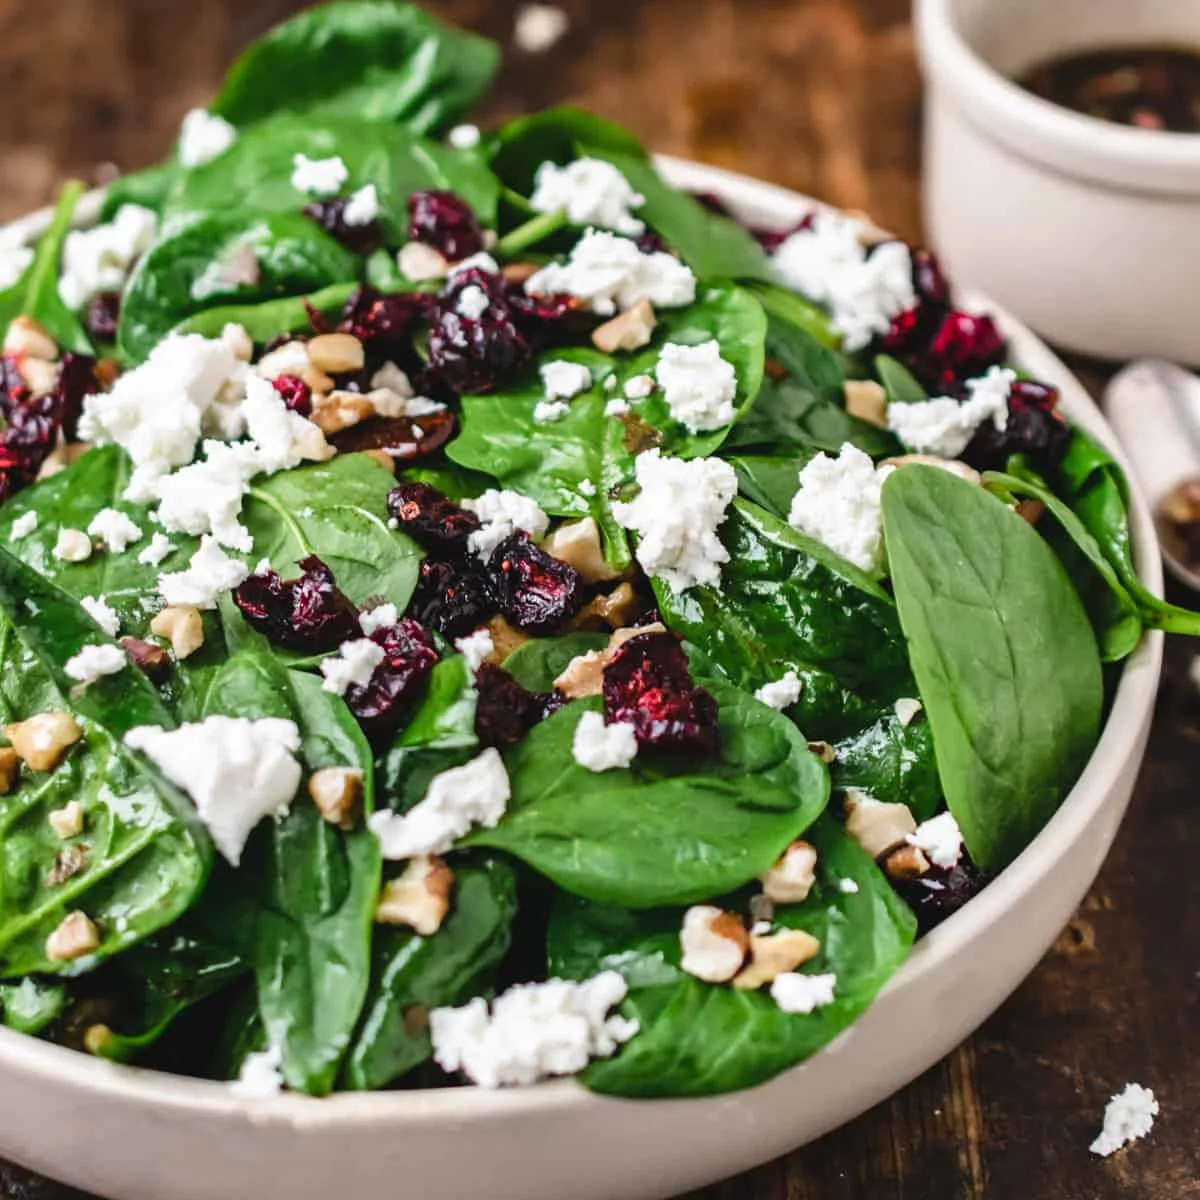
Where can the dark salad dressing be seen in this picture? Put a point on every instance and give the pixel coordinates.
(1148, 87)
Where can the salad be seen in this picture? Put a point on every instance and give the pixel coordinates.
(471, 612)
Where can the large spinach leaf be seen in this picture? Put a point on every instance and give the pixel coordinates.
(31, 1005)
(699, 1039)
(1002, 650)
(266, 321)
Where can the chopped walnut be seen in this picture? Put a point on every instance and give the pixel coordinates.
(10, 769)
(824, 751)
(905, 862)
(148, 657)
(336, 353)
(337, 792)
(382, 457)
(578, 544)
(774, 954)
(76, 936)
(505, 638)
(906, 709)
(791, 879)
(42, 740)
(584, 674)
(182, 626)
(961, 469)
(238, 341)
(630, 330)
(1030, 511)
(67, 822)
(419, 898)
(714, 943)
(613, 609)
(421, 263)
(876, 825)
(39, 375)
(292, 359)
(334, 411)
(28, 338)
(68, 863)
(73, 546)
(866, 400)
(519, 272)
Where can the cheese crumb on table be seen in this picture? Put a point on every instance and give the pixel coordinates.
(1128, 1116)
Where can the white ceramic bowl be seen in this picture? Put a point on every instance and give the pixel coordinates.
(1089, 231)
(132, 1134)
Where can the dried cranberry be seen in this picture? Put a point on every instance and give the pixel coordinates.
(649, 242)
(408, 656)
(505, 711)
(771, 239)
(383, 323)
(451, 597)
(534, 590)
(712, 202)
(308, 613)
(431, 518)
(444, 221)
(1034, 428)
(940, 892)
(13, 389)
(295, 393)
(331, 216)
(27, 441)
(101, 316)
(963, 347)
(475, 356)
(928, 281)
(148, 657)
(76, 379)
(647, 683)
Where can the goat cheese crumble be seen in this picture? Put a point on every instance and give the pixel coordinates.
(591, 192)
(601, 747)
(780, 693)
(363, 206)
(209, 573)
(236, 771)
(260, 1077)
(676, 515)
(939, 839)
(203, 136)
(472, 302)
(501, 514)
(698, 385)
(383, 616)
(94, 662)
(546, 412)
(352, 666)
(798, 993)
(464, 137)
(848, 887)
(1128, 1116)
(839, 504)
(533, 1031)
(475, 648)
(160, 547)
(114, 529)
(100, 259)
(318, 176)
(564, 380)
(945, 426)
(639, 387)
(102, 613)
(24, 525)
(476, 793)
(14, 261)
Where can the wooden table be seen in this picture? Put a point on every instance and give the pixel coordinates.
(823, 96)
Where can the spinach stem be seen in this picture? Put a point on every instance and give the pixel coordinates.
(529, 234)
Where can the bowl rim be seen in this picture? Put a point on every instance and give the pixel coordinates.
(1138, 160)
(1133, 698)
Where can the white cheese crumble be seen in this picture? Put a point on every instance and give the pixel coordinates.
(501, 514)
(206, 497)
(839, 504)
(382, 616)
(114, 529)
(73, 546)
(707, 952)
(475, 648)
(203, 136)
(476, 793)
(601, 747)
(864, 288)
(848, 887)
(352, 666)
(14, 261)
(533, 1031)
(464, 137)
(609, 272)
(318, 176)
(587, 488)
(363, 206)
(591, 192)
(538, 27)
(260, 1077)
(475, 262)
(780, 693)
(236, 771)
(24, 525)
(102, 613)
(209, 573)
(906, 710)
(944, 426)
(160, 547)
(472, 302)
(1128, 1116)
(282, 438)
(698, 385)
(797, 993)
(939, 839)
(100, 259)
(639, 387)
(94, 662)
(546, 412)
(563, 380)
(676, 515)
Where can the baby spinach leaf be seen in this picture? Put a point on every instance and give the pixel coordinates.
(795, 310)
(663, 831)
(207, 261)
(31, 1005)
(901, 385)
(360, 58)
(266, 321)
(35, 294)
(699, 1039)
(770, 480)
(1003, 652)
(537, 663)
(148, 188)
(411, 974)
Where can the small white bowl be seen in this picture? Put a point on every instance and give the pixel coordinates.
(133, 1134)
(1087, 230)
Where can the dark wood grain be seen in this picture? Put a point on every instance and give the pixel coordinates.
(822, 96)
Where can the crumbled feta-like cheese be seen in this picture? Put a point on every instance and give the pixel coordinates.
(538, 27)
(114, 529)
(209, 573)
(712, 944)
(475, 262)
(534, 1031)
(839, 504)
(906, 710)
(206, 497)
(591, 192)
(848, 887)
(616, 407)
(393, 379)
(14, 261)
(798, 993)
(1128, 1116)
(352, 666)
(562, 380)
(203, 136)
(864, 288)
(676, 515)
(944, 426)
(939, 839)
(601, 747)
(546, 412)
(639, 387)
(610, 272)
(472, 302)
(464, 137)
(94, 662)
(318, 176)
(283, 438)
(780, 693)
(698, 385)
(363, 206)
(236, 770)
(587, 488)
(476, 793)
(160, 547)
(102, 613)
(501, 514)
(24, 525)
(237, 338)
(475, 648)
(259, 1077)
(420, 263)
(382, 616)
(100, 259)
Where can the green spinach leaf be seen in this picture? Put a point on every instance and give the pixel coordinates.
(264, 322)
(898, 381)
(537, 663)
(31, 1005)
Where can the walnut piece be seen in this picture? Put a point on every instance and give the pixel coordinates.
(334, 411)
(584, 674)
(714, 943)
(10, 769)
(336, 353)
(630, 330)
(791, 879)
(67, 822)
(419, 898)
(73, 546)
(27, 337)
(76, 936)
(42, 740)
(866, 400)
(420, 262)
(505, 639)
(774, 954)
(182, 626)
(876, 825)
(337, 792)
(905, 862)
